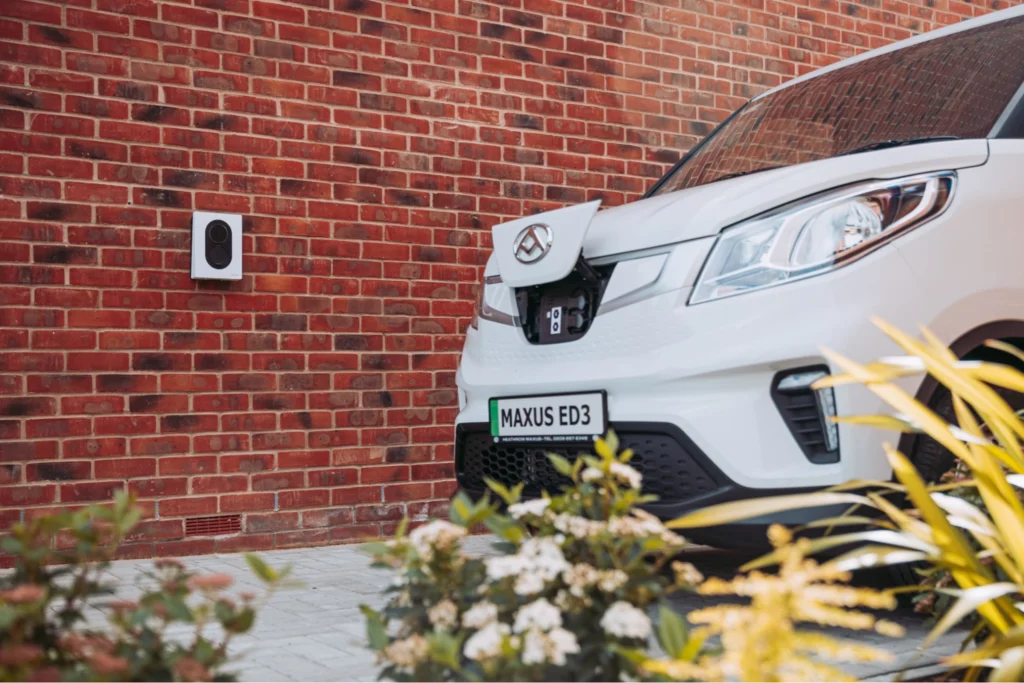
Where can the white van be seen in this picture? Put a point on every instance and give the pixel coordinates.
(691, 321)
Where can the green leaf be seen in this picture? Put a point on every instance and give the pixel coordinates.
(631, 654)
(203, 650)
(7, 616)
(505, 528)
(562, 465)
(460, 509)
(244, 621)
(261, 568)
(376, 548)
(444, 648)
(12, 545)
(129, 520)
(500, 489)
(177, 609)
(672, 632)
(224, 612)
(375, 631)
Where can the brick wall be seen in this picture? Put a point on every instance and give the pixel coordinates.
(370, 145)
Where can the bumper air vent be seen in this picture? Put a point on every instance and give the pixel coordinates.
(808, 413)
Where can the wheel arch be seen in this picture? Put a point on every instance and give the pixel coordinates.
(971, 346)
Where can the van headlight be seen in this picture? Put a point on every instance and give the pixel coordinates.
(819, 234)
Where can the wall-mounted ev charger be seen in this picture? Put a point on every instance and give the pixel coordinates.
(216, 246)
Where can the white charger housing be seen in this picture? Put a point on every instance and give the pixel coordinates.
(216, 246)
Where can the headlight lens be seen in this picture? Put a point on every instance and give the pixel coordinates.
(816, 235)
(482, 309)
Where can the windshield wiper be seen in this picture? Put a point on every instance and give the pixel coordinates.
(743, 173)
(886, 144)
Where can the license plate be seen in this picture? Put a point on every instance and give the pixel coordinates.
(559, 417)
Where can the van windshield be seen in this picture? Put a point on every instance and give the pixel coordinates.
(951, 87)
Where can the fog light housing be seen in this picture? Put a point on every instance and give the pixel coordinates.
(808, 413)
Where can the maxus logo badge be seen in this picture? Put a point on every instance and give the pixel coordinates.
(533, 243)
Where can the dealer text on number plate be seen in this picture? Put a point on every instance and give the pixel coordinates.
(563, 417)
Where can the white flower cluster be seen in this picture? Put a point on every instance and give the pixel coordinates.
(578, 527)
(642, 524)
(405, 654)
(535, 507)
(627, 474)
(619, 470)
(539, 647)
(622, 620)
(612, 580)
(686, 573)
(444, 615)
(486, 642)
(581, 576)
(439, 534)
(539, 614)
(539, 560)
(480, 614)
(544, 639)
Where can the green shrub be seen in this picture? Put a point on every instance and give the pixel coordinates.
(58, 576)
(571, 587)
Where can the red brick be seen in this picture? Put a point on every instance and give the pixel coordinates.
(14, 451)
(91, 405)
(159, 488)
(247, 502)
(305, 498)
(126, 424)
(219, 484)
(124, 468)
(188, 507)
(188, 465)
(160, 445)
(94, 448)
(27, 495)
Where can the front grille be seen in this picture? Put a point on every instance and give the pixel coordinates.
(670, 469)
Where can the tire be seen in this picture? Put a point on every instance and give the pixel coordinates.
(933, 461)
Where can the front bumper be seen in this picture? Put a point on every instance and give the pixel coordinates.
(673, 468)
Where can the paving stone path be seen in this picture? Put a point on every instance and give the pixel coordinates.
(316, 632)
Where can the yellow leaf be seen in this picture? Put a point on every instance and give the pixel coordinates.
(968, 601)
(816, 545)
(939, 365)
(734, 511)
(965, 568)
(1003, 346)
(878, 421)
(884, 371)
(999, 375)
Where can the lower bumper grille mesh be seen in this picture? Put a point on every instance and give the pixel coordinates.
(669, 470)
